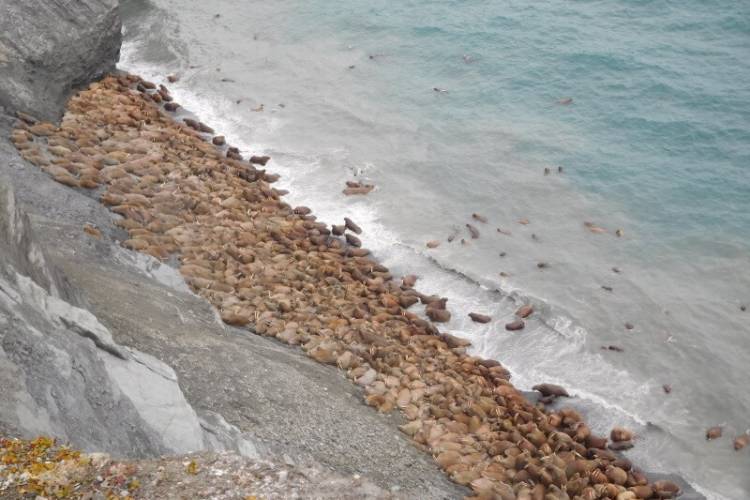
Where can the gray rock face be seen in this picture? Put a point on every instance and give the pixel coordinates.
(253, 395)
(61, 374)
(48, 47)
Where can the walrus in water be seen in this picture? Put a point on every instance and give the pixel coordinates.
(473, 231)
(714, 432)
(565, 101)
(551, 390)
(351, 226)
(741, 441)
(479, 318)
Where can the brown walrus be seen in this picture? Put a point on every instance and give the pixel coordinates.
(351, 226)
(714, 432)
(473, 231)
(409, 280)
(741, 441)
(479, 318)
(480, 218)
(515, 325)
(260, 160)
(551, 390)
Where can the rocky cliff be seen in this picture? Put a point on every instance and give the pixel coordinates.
(62, 375)
(49, 47)
(109, 350)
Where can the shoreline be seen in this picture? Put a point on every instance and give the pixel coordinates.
(297, 229)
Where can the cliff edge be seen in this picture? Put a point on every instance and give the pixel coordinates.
(50, 47)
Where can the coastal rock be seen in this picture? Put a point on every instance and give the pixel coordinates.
(50, 47)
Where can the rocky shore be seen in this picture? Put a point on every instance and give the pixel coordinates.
(277, 271)
(106, 347)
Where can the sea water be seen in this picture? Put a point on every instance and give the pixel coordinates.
(644, 105)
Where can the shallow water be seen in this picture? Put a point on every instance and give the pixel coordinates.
(656, 142)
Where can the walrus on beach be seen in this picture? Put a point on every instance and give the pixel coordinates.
(551, 390)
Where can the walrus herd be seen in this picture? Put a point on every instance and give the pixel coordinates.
(279, 272)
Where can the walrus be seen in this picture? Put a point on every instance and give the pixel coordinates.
(349, 191)
(353, 240)
(613, 348)
(621, 434)
(714, 432)
(479, 318)
(620, 445)
(480, 218)
(351, 226)
(525, 311)
(551, 390)
(438, 315)
(171, 106)
(565, 101)
(546, 171)
(194, 124)
(432, 244)
(667, 388)
(515, 325)
(409, 280)
(219, 140)
(473, 231)
(666, 489)
(741, 441)
(259, 160)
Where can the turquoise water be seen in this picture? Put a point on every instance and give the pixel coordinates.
(660, 120)
(656, 142)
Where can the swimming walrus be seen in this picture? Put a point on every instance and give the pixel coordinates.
(479, 318)
(473, 231)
